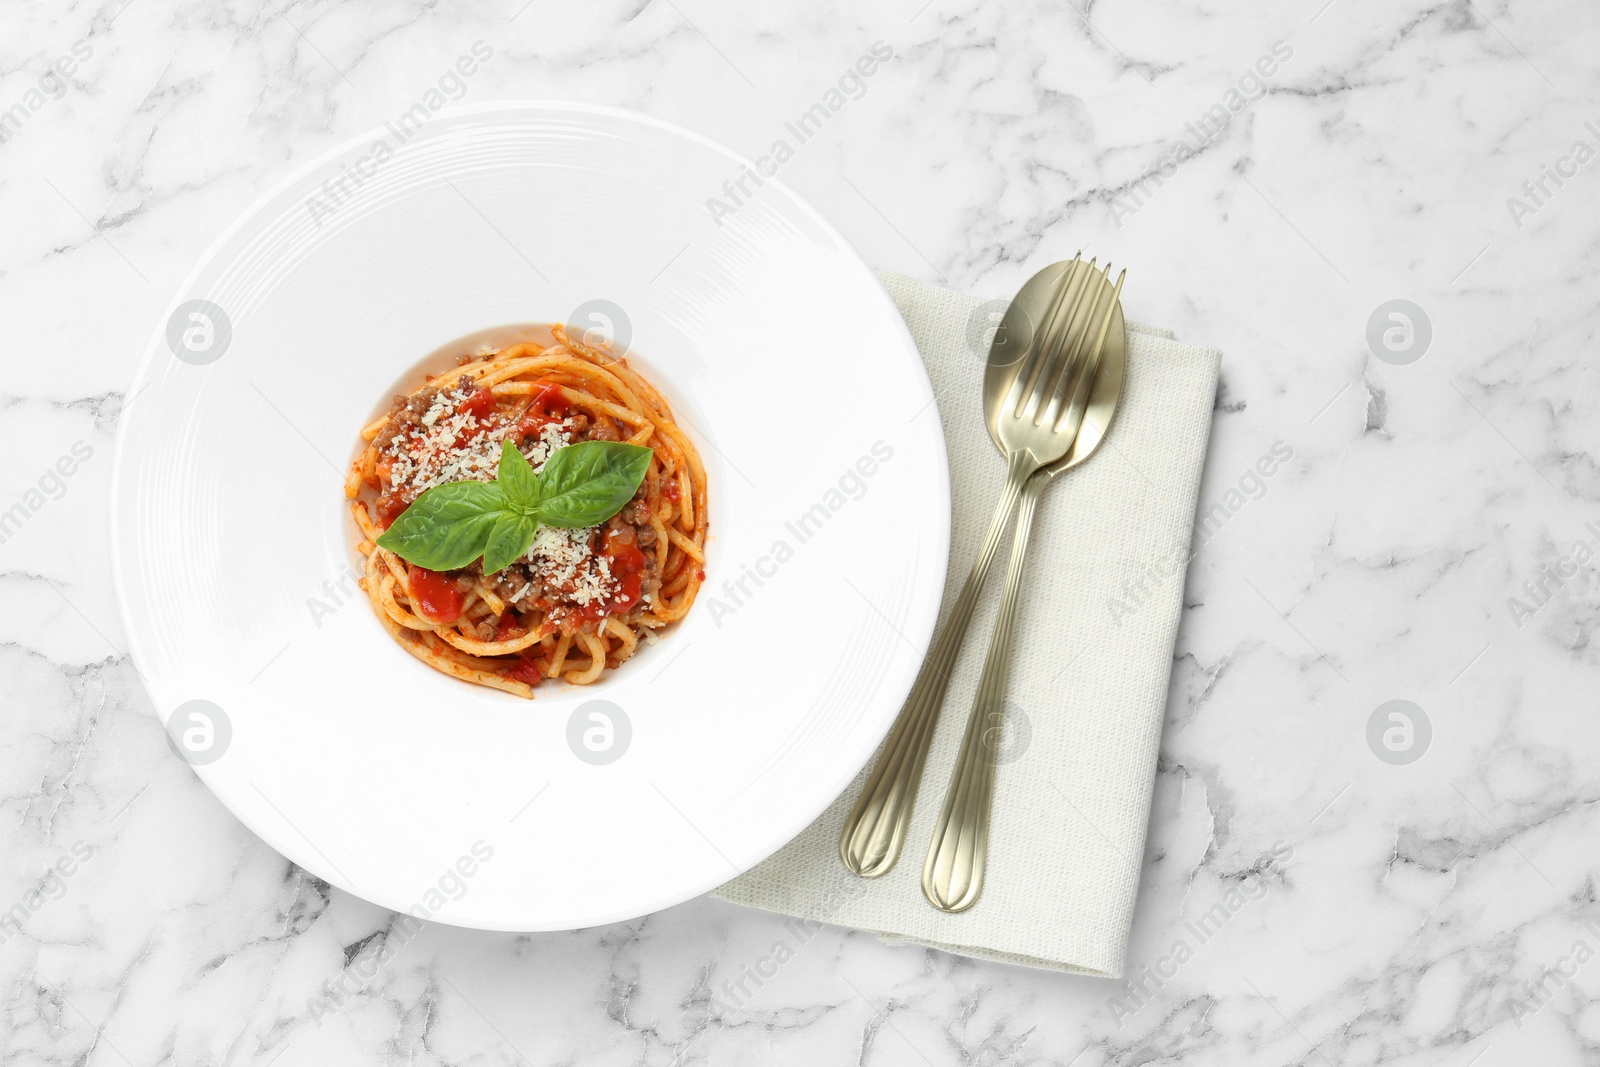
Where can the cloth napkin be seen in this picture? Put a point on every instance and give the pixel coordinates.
(1089, 670)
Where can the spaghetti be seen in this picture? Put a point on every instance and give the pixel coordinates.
(580, 600)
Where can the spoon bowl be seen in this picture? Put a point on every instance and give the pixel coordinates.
(1024, 319)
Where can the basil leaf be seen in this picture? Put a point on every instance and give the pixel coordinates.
(587, 483)
(447, 526)
(515, 475)
(508, 541)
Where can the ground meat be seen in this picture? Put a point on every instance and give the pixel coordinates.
(509, 582)
(406, 412)
(647, 536)
(637, 511)
(605, 429)
(576, 424)
(401, 419)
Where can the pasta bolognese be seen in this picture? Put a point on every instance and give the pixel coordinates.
(591, 584)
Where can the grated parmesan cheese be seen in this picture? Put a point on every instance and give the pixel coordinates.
(564, 561)
(444, 403)
(456, 446)
(553, 436)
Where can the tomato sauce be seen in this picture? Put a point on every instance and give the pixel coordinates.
(524, 671)
(479, 405)
(437, 596)
(549, 405)
(509, 626)
(390, 508)
(626, 564)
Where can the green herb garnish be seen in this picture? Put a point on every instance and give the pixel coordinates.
(449, 526)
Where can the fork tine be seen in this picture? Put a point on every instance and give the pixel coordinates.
(1071, 368)
(1028, 370)
(1067, 348)
(1059, 329)
(1073, 419)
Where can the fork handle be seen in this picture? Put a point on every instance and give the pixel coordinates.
(952, 875)
(876, 828)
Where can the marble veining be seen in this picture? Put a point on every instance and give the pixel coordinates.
(1431, 539)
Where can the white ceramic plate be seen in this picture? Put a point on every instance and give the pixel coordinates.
(233, 550)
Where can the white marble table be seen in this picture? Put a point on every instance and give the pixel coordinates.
(1428, 541)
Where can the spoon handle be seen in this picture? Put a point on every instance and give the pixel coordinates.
(952, 875)
(876, 828)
